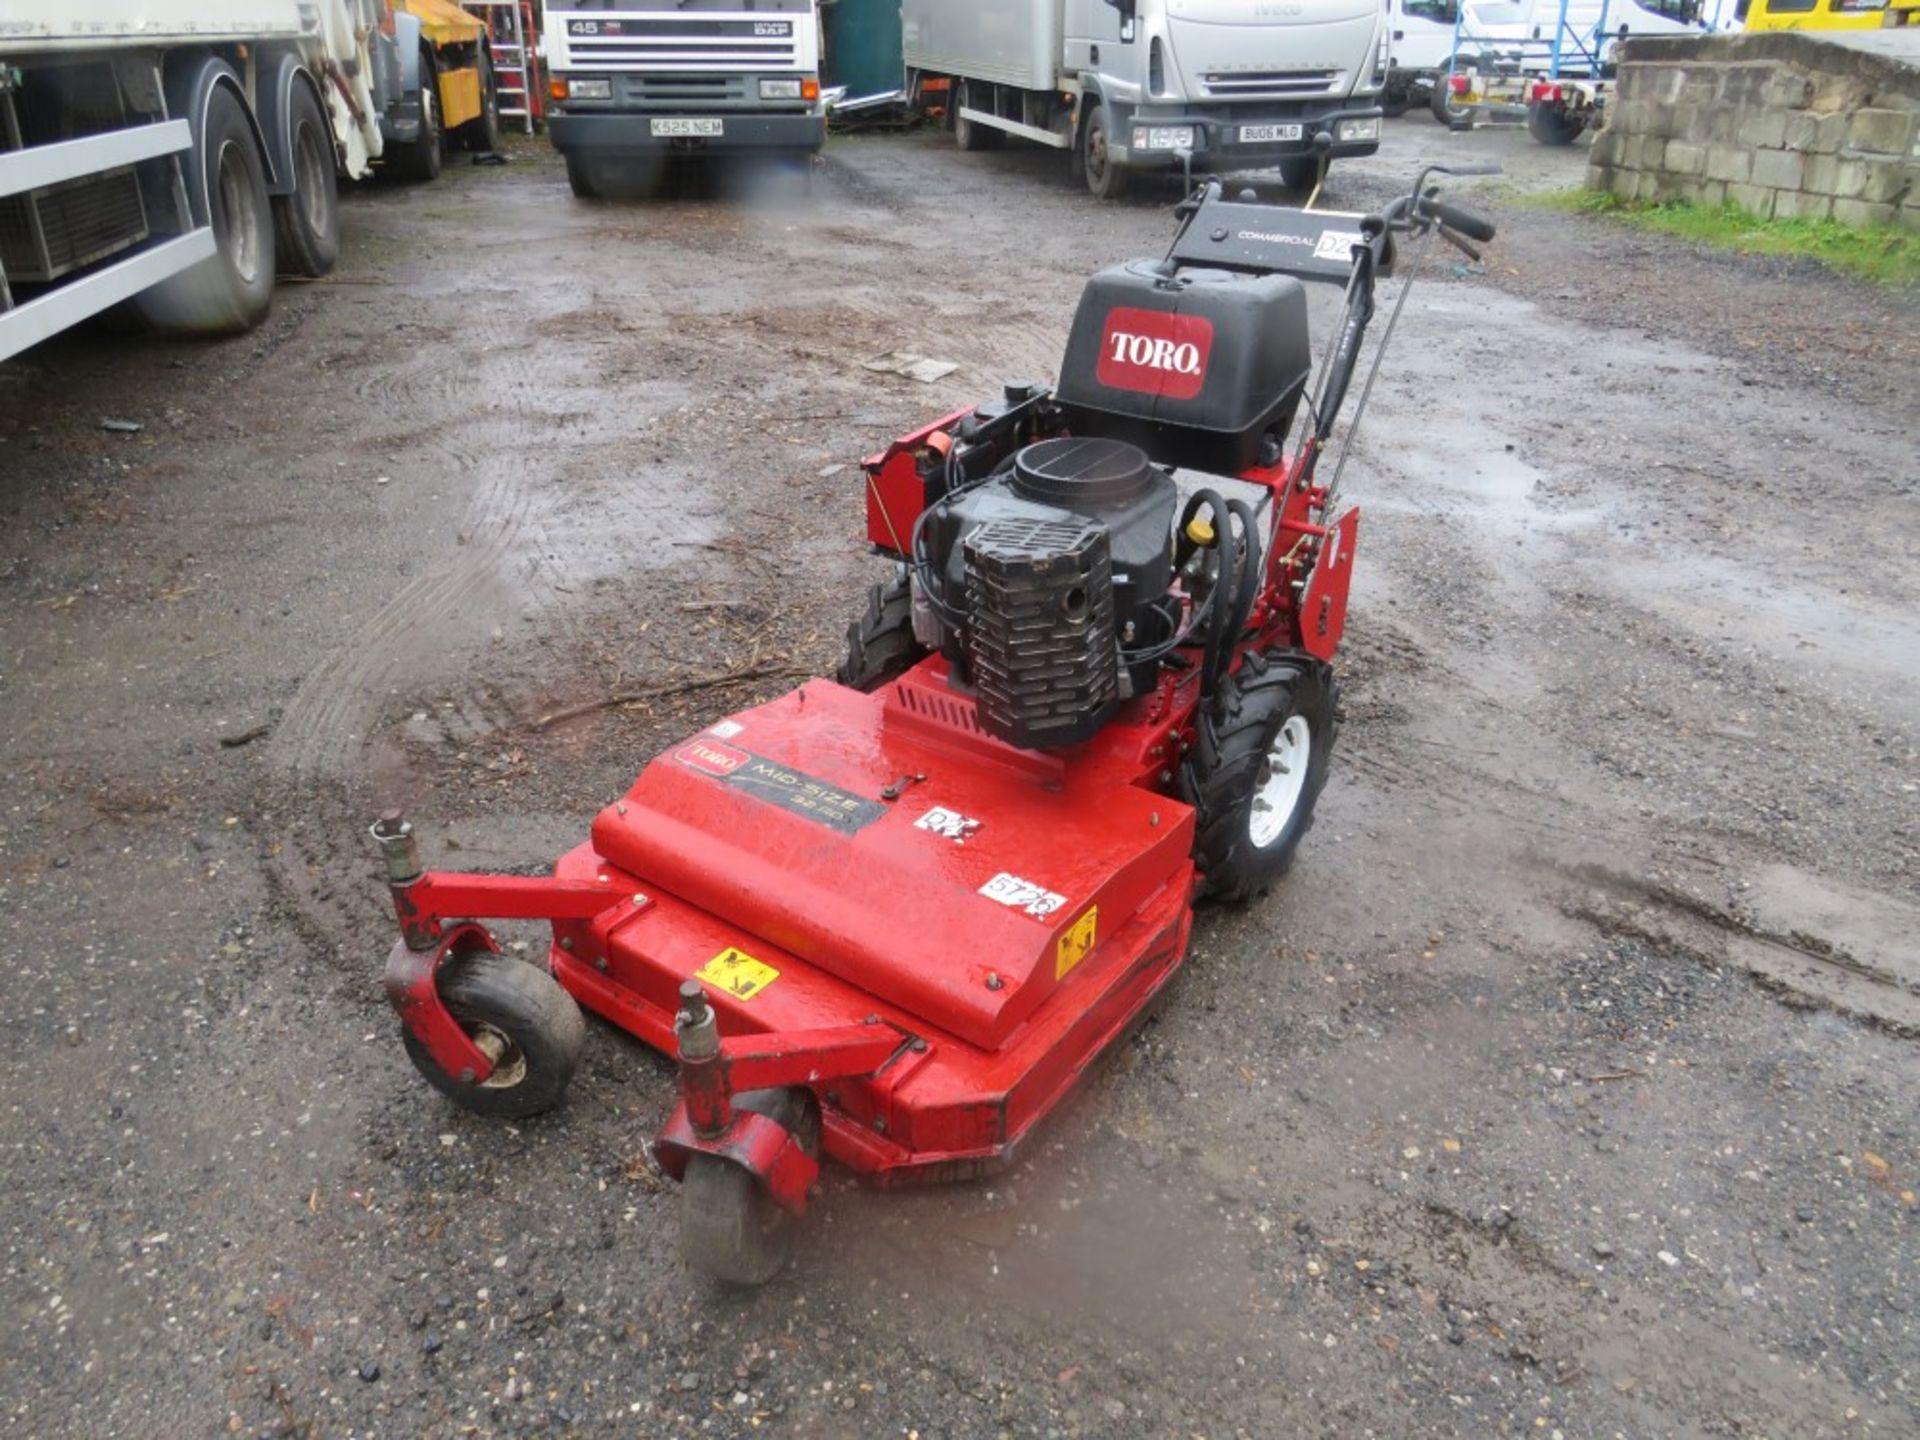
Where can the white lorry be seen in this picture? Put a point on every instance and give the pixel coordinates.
(170, 155)
(634, 82)
(1153, 84)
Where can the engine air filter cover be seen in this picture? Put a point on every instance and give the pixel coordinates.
(1082, 474)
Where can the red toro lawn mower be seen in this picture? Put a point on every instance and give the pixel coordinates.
(892, 917)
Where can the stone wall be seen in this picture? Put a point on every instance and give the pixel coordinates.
(1777, 123)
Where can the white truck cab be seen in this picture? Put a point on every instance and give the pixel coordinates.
(1138, 84)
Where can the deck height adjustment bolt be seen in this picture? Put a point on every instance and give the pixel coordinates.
(393, 833)
(695, 1026)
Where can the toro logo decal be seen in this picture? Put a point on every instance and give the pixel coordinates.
(1151, 352)
(707, 755)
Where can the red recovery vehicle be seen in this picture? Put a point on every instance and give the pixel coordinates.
(891, 918)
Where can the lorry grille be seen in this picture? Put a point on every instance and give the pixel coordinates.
(1271, 82)
(659, 50)
(684, 92)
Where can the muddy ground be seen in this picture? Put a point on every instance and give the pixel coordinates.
(1567, 1088)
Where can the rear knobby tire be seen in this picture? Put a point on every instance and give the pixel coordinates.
(420, 158)
(880, 644)
(1240, 845)
(306, 223)
(231, 290)
(730, 1227)
(526, 1015)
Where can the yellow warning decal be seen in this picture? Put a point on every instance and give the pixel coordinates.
(1075, 941)
(738, 973)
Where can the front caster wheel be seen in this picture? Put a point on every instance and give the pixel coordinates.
(730, 1227)
(526, 1023)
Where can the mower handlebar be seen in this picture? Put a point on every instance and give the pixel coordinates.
(1464, 222)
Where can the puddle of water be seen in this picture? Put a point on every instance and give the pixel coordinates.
(1806, 631)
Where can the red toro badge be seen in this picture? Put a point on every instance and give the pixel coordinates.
(1151, 352)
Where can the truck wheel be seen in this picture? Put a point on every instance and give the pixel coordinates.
(1105, 180)
(580, 179)
(306, 224)
(1303, 172)
(520, 1014)
(1255, 773)
(421, 158)
(230, 290)
(1552, 125)
(482, 133)
(880, 644)
(1395, 103)
(966, 134)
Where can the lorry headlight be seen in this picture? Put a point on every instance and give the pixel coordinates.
(578, 89)
(1359, 129)
(1163, 137)
(780, 89)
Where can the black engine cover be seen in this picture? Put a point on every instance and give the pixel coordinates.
(1056, 563)
(1197, 369)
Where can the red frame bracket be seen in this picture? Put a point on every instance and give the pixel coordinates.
(764, 1148)
(413, 992)
(706, 1119)
(430, 899)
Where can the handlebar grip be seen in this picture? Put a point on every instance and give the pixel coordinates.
(1471, 226)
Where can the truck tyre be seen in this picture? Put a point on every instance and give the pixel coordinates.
(580, 179)
(1552, 125)
(420, 158)
(482, 133)
(231, 289)
(966, 134)
(1256, 770)
(1396, 102)
(1302, 172)
(306, 223)
(1105, 180)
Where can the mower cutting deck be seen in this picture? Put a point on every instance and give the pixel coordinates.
(891, 918)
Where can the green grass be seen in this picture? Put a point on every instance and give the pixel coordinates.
(1883, 254)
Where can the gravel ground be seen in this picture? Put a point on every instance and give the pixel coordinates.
(1566, 1088)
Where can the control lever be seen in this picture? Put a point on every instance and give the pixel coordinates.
(1457, 241)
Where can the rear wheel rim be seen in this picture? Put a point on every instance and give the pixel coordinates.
(1281, 781)
(242, 231)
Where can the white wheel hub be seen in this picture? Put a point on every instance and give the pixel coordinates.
(1281, 781)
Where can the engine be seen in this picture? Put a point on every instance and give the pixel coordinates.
(1050, 574)
(1048, 580)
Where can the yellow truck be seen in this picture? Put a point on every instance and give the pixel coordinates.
(1832, 14)
(463, 103)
